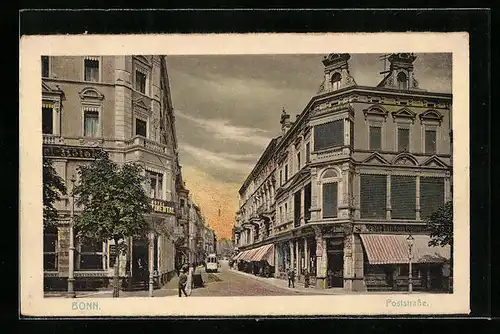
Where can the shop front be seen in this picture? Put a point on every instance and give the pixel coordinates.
(387, 259)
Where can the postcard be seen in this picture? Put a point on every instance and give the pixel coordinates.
(244, 175)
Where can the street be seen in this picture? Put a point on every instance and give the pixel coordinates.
(227, 282)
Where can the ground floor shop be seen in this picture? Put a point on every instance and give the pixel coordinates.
(340, 257)
(94, 262)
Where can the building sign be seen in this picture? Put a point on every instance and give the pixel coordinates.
(160, 206)
(70, 152)
(396, 228)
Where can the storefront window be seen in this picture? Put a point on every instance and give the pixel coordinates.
(90, 255)
(50, 249)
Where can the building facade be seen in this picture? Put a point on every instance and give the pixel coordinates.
(338, 193)
(120, 104)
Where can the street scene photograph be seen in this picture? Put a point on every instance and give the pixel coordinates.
(190, 176)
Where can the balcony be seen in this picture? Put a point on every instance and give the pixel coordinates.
(53, 140)
(139, 141)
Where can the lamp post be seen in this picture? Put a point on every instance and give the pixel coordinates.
(410, 241)
(71, 253)
(151, 260)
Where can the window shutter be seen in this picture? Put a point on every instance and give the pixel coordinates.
(431, 195)
(375, 137)
(329, 135)
(330, 200)
(373, 196)
(403, 197)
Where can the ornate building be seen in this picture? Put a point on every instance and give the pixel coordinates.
(120, 104)
(341, 189)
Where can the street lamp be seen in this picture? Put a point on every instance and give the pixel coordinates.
(71, 265)
(151, 258)
(410, 241)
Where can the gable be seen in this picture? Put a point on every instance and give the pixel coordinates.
(434, 162)
(404, 113)
(375, 159)
(405, 159)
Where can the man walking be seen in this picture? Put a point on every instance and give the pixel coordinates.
(182, 282)
(291, 278)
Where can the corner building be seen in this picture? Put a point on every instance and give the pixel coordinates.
(344, 185)
(120, 104)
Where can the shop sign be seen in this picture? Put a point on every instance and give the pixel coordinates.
(165, 207)
(70, 152)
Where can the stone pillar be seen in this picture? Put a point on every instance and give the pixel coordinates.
(292, 257)
(357, 195)
(276, 259)
(447, 188)
(297, 258)
(417, 203)
(388, 198)
(306, 255)
(314, 195)
(358, 283)
(302, 206)
(321, 262)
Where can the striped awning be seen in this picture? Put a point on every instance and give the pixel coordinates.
(393, 249)
(92, 58)
(261, 253)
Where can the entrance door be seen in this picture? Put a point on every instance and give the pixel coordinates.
(335, 271)
(140, 260)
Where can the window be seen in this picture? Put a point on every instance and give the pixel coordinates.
(281, 215)
(375, 138)
(403, 140)
(373, 196)
(90, 255)
(50, 249)
(307, 202)
(296, 208)
(298, 161)
(182, 203)
(45, 67)
(140, 82)
(281, 177)
(286, 211)
(330, 200)
(47, 123)
(351, 134)
(308, 153)
(140, 127)
(403, 197)
(431, 195)
(329, 135)
(91, 123)
(336, 80)
(91, 65)
(402, 81)
(155, 185)
(430, 141)
(286, 173)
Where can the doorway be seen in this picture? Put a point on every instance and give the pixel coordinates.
(140, 260)
(335, 264)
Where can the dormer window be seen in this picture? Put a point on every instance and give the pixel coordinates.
(336, 77)
(402, 81)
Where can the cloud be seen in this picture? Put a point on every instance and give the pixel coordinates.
(223, 129)
(239, 162)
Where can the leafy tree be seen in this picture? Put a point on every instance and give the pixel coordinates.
(440, 227)
(53, 188)
(114, 203)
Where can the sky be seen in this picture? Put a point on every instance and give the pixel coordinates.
(227, 108)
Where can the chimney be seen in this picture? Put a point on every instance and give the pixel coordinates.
(285, 122)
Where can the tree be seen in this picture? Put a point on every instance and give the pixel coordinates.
(114, 203)
(440, 227)
(53, 188)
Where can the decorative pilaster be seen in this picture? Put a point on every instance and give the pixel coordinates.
(306, 255)
(417, 203)
(297, 258)
(388, 199)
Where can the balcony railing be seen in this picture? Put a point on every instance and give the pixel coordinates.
(147, 144)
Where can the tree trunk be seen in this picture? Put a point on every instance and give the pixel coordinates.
(116, 276)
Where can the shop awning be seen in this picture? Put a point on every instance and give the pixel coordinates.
(248, 254)
(262, 253)
(393, 249)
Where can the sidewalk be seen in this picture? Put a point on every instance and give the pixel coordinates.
(299, 287)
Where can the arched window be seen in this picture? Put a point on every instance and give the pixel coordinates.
(402, 81)
(336, 77)
(329, 191)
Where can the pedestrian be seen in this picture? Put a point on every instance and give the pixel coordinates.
(182, 283)
(291, 278)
